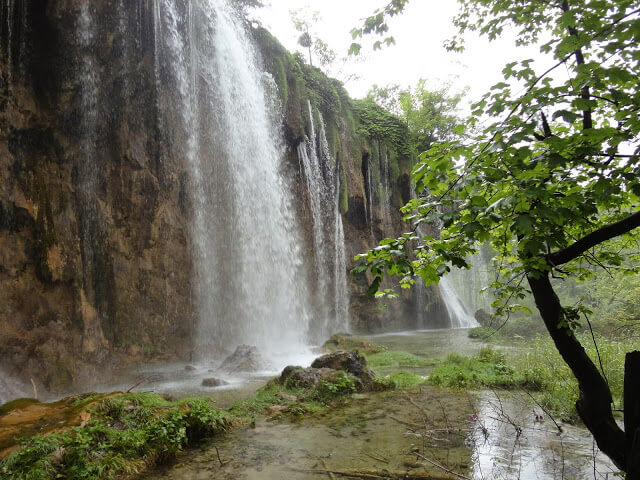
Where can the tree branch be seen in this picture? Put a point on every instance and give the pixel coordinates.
(594, 238)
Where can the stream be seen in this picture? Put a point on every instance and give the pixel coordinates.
(490, 435)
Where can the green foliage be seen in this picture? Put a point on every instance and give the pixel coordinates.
(397, 359)
(303, 21)
(550, 174)
(542, 367)
(375, 123)
(430, 115)
(404, 380)
(350, 343)
(342, 385)
(125, 432)
(376, 24)
(487, 369)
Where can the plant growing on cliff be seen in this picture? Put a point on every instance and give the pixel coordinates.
(303, 20)
(430, 115)
(549, 183)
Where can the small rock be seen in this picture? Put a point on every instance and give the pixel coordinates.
(275, 410)
(213, 382)
(189, 368)
(287, 397)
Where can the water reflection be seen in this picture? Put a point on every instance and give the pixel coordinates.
(514, 439)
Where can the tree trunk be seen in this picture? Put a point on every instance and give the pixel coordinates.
(632, 413)
(594, 401)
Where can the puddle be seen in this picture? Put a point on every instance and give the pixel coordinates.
(514, 439)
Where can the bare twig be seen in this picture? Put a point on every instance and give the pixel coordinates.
(329, 472)
(436, 464)
(545, 411)
(222, 464)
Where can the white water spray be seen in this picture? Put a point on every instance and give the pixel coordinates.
(320, 171)
(250, 284)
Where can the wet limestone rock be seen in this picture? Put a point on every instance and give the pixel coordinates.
(350, 362)
(483, 318)
(213, 382)
(245, 359)
(329, 368)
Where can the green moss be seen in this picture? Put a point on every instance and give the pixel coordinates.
(403, 380)
(18, 403)
(349, 343)
(280, 77)
(125, 434)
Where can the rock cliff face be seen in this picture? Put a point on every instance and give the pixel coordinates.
(95, 249)
(374, 164)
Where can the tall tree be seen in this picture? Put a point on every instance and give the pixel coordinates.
(304, 20)
(550, 182)
(430, 115)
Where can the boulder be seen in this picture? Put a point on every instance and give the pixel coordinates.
(213, 382)
(351, 362)
(245, 359)
(328, 368)
(482, 317)
(305, 377)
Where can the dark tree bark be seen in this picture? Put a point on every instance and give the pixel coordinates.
(594, 401)
(632, 413)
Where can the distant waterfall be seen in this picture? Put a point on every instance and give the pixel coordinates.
(251, 286)
(320, 171)
(458, 316)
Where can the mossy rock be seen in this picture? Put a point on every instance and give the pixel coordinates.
(343, 341)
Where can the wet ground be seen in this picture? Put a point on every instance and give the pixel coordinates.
(480, 435)
(393, 431)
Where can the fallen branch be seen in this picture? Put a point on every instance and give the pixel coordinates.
(436, 464)
(222, 464)
(413, 426)
(379, 458)
(329, 472)
(372, 473)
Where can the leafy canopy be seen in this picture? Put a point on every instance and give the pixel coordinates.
(430, 115)
(556, 167)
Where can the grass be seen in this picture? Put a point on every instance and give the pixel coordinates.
(123, 434)
(397, 359)
(403, 380)
(537, 367)
(487, 369)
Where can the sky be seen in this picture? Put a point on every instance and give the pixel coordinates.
(419, 52)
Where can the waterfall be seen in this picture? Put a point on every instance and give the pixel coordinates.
(370, 195)
(320, 171)
(385, 204)
(250, 284)
(458, 316)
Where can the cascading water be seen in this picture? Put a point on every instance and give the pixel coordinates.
(458, 316)
(385, 203)
(251, 287)
(320, 171)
